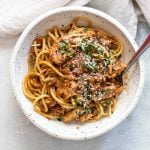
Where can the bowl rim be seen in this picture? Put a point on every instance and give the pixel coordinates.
(88, 10)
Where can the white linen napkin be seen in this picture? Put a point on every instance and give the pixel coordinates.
(17, 14)
(125, 11)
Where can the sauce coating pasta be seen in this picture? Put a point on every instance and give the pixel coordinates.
(73, 73)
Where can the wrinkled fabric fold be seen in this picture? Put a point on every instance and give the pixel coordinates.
(121, 10)
(145, 8)
(17, 14)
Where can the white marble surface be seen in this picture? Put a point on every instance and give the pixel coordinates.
(17, 133)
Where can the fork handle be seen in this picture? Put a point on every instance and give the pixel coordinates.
(140, 51)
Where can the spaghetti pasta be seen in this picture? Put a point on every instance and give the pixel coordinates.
(73, 73)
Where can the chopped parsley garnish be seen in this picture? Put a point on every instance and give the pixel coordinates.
(90, 66)
(89, 96)
(76, 101)
(87, 85)
(87, 91)
(79, 102)
(100, 50)
(88, 57)
(89, 63)
(106, 61)
(88, 110)
(64, 45)
(107, 102)
(86, 46)
(99, 95)
(88, 49)
(65, 49)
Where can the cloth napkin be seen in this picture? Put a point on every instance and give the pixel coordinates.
(17, 14)
(128, 12)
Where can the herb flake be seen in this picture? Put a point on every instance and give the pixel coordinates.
(107, 102)
(86, 46)
(65, 49)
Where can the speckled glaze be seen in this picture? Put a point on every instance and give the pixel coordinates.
(127, 100)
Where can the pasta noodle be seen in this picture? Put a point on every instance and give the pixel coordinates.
(73, 73)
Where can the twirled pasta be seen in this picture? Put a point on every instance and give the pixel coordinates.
(73, 73)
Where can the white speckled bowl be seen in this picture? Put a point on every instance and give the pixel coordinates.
(63, 16)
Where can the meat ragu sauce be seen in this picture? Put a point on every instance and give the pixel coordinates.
(73, 73)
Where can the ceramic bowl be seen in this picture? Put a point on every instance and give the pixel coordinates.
(63, 16)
